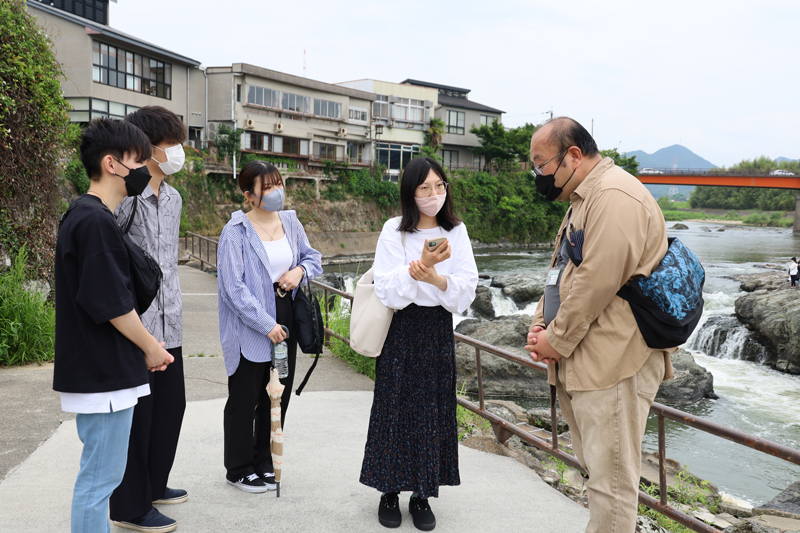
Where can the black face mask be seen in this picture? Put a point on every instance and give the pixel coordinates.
(137, 179)
(546, 184)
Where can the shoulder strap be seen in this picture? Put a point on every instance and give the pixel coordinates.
(133, 213)
(402, 233)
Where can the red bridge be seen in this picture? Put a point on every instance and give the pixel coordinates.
(719, 178)
(725, 178)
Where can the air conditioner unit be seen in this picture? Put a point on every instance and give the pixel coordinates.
(278, 127)
(410, 125)
(394, 99)
(249, 124)
(342, 132)
(428, 103)
(391, 123)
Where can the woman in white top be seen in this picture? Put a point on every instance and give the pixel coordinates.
(412, 443)
(793, 272)
(263, 256)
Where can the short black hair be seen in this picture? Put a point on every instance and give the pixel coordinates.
(415, 173)
(159, 124)
(106, 136)
(566, 132)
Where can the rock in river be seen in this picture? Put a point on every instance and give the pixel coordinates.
(482, 305)
(774, 316)
(522, 288)
(692, 382)
(771, 280)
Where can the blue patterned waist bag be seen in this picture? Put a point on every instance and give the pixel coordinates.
(668, 304)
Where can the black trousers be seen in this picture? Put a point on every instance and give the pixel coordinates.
(246, 420)
(156, 426)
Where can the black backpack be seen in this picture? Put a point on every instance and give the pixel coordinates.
(145, 272)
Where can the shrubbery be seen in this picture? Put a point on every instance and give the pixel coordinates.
(27, 318)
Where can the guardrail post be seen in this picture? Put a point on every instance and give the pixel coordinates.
(662, 470)
(553, 417)
(480, 378)
(327, 320)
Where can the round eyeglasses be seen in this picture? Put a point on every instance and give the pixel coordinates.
(427, 190)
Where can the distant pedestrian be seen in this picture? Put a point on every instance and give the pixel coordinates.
(605, 374)
(152, 220)
(263, 257)
(103, 351)
(793, 272)
(412, 443)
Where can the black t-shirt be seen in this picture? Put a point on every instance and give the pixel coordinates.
(93, 285)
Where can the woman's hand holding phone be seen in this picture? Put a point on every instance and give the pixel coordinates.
(440, 251)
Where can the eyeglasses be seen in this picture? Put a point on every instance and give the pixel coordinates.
(537, 171)
(427, 190)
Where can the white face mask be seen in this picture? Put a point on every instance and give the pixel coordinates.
(175, 159)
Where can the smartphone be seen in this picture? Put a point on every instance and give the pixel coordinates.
(433, 244)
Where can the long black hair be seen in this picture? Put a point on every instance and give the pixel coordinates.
(415, 173)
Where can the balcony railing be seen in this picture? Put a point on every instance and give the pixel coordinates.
(336, 159)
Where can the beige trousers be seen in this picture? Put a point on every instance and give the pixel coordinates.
(607, 428)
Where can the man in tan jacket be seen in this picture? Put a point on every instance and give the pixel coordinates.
(605, 374)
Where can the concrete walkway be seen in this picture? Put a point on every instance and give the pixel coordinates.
(324, 441)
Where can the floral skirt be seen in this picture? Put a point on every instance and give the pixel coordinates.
(412, 444)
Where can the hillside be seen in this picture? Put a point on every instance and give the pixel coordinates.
(675, 156)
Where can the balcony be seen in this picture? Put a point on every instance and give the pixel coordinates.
(358, 161)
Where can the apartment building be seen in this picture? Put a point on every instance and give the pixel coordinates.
(459, 114)
(290, 116)
(110, 73)
(401, 116)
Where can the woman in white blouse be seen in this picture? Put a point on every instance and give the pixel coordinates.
(412, 443)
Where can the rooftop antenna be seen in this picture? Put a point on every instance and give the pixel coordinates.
(304, 62)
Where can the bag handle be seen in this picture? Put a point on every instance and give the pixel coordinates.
(133, 213)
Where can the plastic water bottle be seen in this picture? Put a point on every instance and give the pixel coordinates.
(280, 356)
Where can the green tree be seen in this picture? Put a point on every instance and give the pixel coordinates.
(495, 143)
(228, 140)
(630, 164)
(33, 122)
(433, 139)
(519, 139)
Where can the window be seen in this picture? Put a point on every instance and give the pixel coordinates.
(134, 72)
(455, 122)
(395, 156)
(449, 158)
(357, 113)
(256, 141)
(355, 152)
(239, 92)
(380, 108)
(326, 108)
(486, 120)
(94, 10)
(287, 145)
(85, 109)
(478, 161)
(296, 103)
(325, 151)
(410, 110)
(262, 96)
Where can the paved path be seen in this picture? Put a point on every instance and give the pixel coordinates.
(324, 443)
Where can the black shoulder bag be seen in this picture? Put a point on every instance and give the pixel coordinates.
(308, 327)
(145, 272)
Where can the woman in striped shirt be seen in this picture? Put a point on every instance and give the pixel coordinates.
(263, 257)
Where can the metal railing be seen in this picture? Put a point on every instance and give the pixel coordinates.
(504, 430)
(713, 172)
(339, 159)
(202, 243)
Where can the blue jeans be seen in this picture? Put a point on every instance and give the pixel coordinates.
(105, 453)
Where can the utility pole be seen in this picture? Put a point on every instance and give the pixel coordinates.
(593, 128)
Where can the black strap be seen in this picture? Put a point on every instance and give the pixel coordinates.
(133, 213)
(315, 325)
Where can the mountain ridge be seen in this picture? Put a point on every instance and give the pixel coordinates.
(675, 156)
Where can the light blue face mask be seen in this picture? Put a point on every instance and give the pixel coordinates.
(271, 202)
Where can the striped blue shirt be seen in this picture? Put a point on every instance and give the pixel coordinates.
(246, 294)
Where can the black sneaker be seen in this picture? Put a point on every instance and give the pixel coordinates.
(153, 521)
(389, 510)
(421, 513)
(269, 480)
(251, 483)
(173, 496)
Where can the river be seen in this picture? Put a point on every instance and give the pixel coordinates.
(752, 397)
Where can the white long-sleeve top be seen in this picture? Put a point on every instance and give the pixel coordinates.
(395, 287)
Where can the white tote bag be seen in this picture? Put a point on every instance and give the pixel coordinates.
(369, 318)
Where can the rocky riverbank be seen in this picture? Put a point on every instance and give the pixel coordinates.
(765, 327)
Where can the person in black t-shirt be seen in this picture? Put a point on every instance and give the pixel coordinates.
(102, 351)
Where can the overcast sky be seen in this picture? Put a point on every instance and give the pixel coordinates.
(719, 77)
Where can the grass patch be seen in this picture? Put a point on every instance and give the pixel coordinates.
(774, 219)
(338, 320)
(687, 491)
(27, 318)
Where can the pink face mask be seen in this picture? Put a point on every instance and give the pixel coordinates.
(431, 205)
